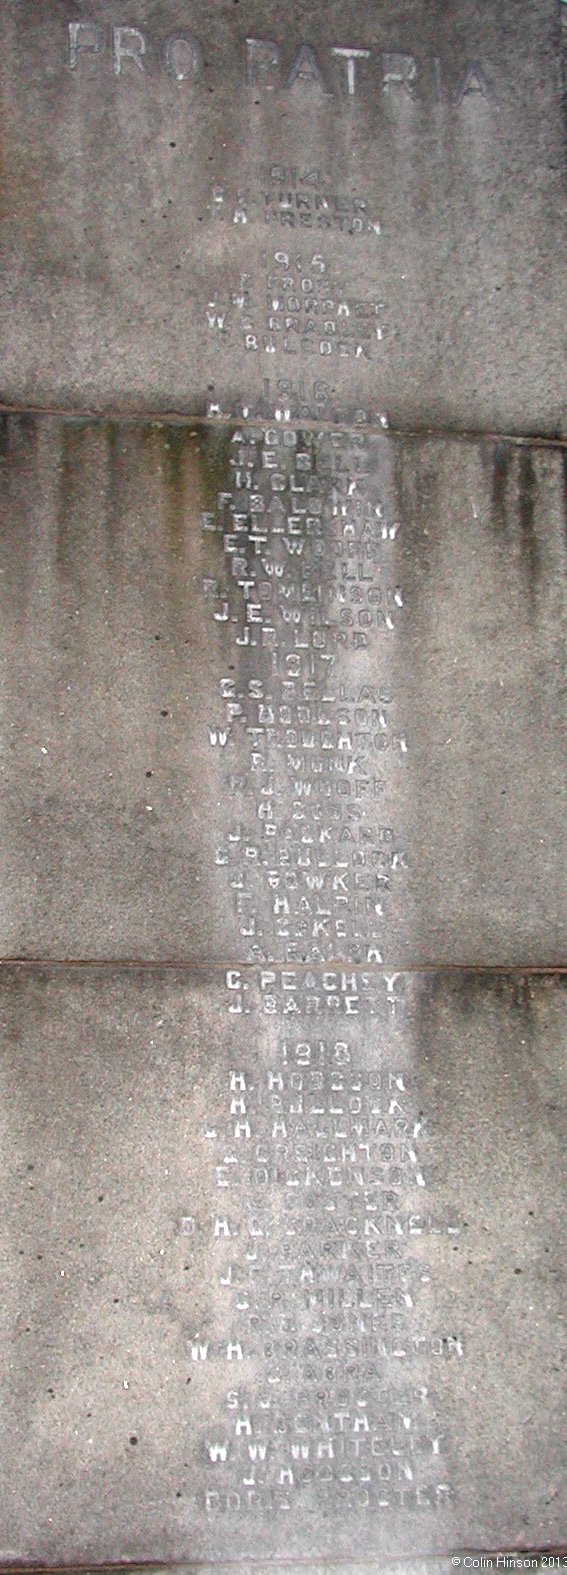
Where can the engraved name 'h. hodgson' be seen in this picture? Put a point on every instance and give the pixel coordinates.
(130, 50)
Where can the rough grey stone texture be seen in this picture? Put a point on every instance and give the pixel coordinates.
(150, 204)
(280, 1240)
(273, 693)
(280, 1284)
(414, 1566)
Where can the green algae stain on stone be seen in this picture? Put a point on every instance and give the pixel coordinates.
(66, 493)
(216, 477)
(70, 467)
(500, 474)
(216, 470)
(114, 483)
(529, 545)
(174, 442)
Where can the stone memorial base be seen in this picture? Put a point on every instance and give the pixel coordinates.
(282, 1263)
(283, 928)
(283, 1058)
(279, 692)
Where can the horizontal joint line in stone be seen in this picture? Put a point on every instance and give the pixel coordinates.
(185, 418)
(200, 965)
(427, 1564)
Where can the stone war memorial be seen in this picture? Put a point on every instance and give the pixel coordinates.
(283, 908)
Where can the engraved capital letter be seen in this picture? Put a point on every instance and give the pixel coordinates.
(262, 56)
(350, 55)
(399, 71)
(128, 43)
(84, 35)
(474, 81)
(182, 56)
(305, 69)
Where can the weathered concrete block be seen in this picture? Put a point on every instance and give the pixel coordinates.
(282, 1264)
(248, 208)
(281, 693)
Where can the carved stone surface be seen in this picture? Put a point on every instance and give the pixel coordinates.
(322, 209)
(282, 828)
(281, 693)
(281, 1263)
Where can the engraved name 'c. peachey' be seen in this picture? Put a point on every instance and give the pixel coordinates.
(343, 72)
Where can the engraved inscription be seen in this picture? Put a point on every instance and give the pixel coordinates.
(320, 1236)
(306, 311)
(307, 590)
(294, 198)
(341, 72)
